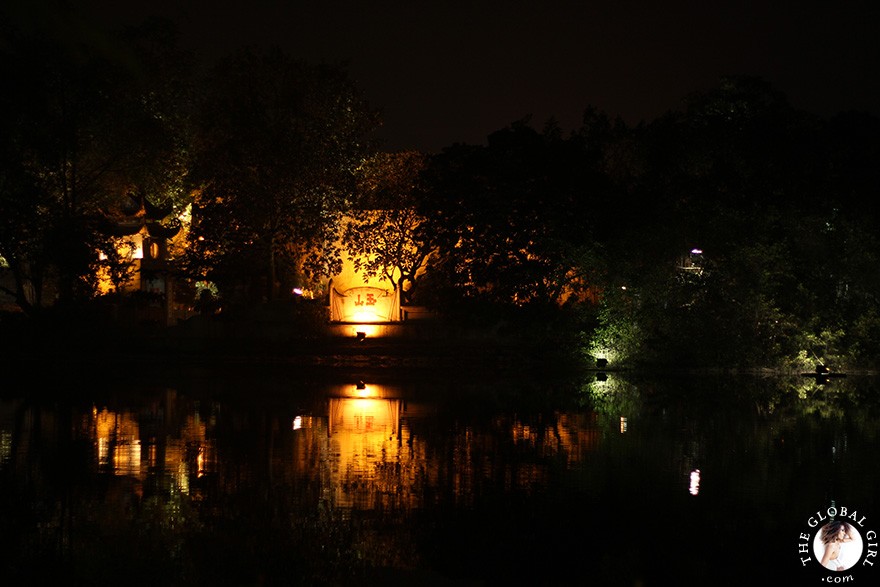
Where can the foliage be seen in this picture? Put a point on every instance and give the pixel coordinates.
(76, 98)
(512, 219)
(618, 338)
(865, 337)
(277, 144)
(746, 178)
(116, 261)
(385, 235)
(822, 348)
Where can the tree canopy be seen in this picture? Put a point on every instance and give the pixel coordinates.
(514, 219)
(385, 235)
(86, 119)
(277, 145)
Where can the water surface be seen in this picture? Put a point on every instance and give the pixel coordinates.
(275, 477)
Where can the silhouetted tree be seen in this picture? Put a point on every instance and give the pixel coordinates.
(385, 235)
(278, 143)
(514, 218)
(757, 186)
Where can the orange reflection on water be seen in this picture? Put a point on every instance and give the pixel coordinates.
(373, 461)
(180, 450)
(191, 453)
(571, 435)
(117, 437)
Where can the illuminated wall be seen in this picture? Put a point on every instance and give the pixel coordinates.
(364, 305)
(358, 298)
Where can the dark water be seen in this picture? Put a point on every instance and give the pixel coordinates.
(256, 477)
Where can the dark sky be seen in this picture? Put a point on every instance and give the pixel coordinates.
(452, 71)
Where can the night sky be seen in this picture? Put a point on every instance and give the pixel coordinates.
(453, 71)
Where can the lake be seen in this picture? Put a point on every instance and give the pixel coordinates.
(273, 475)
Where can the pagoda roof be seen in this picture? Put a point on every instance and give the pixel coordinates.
(137, 213)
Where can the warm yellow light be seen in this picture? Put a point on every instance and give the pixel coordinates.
(367, 455)
(118, 441)
(364, 414)
(365, 316)
(623, 425)
(297, 423)
(366, 329)
(138, 250)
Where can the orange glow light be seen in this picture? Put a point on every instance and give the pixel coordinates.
(368, 330)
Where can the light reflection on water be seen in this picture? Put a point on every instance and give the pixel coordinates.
(327, 486)
(183, 453)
